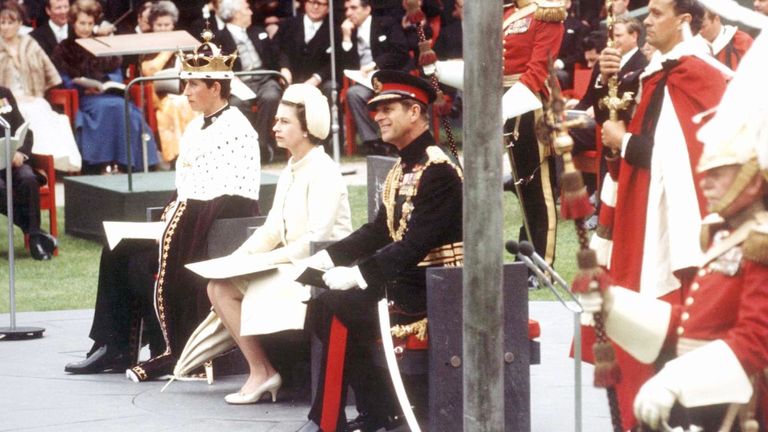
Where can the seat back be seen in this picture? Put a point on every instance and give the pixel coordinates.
(68, 99)
(48, 190)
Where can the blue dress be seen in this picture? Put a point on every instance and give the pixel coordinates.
(100, 128)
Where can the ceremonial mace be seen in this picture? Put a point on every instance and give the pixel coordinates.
(612, 101)
(13, 332)
(552, 128)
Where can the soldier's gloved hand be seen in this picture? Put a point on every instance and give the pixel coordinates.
(655, 399)
(344, 278)
(320, 261)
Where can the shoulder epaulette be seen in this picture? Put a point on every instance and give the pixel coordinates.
(550, 11)
(755, 247)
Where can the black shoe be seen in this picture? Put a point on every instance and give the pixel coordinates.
(41, 246)
(368, 423)
(104, 359)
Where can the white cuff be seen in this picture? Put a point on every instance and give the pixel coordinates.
(608, 192)
(603, 249)
(451, 73)
(637, 323)
(625, 142)
(517, 101)
(359, 278)
(709, 375)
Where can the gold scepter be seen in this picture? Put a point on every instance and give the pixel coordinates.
(612, 101)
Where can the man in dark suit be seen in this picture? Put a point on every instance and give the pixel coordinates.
(627, 32)
(571, 49)
(369, 43)
(256, 51)
(26, 184)
(49, 34)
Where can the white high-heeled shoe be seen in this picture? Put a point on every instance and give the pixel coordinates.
(272, 385)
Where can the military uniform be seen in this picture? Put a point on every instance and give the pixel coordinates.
(533, 33)
(418, 226)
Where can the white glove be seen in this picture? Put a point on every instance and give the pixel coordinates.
(320, 261)
(654, 401)
(344, 278)
(517, 101)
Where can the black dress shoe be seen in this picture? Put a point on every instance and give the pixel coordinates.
(309, 426)
(41, 246)
(368, 423)
(104, 359)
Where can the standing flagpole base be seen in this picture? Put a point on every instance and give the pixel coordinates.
(21, 333)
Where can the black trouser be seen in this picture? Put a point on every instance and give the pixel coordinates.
(126, 293)
(374, 393)
(26, 198)
(268, 95)
(537, 170)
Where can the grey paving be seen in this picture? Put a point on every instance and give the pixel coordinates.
(36, 394)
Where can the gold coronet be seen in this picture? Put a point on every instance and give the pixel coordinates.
(199, 65)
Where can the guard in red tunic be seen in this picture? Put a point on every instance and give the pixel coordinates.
(533, 31)
(659, 206)
(718, 336)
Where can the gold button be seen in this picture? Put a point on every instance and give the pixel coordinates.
(680, 331)
(702, 272)
(695, 286)
(685, 316)
(689, 301)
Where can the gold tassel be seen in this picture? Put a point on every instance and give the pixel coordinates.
(607, 371)
(756, 246)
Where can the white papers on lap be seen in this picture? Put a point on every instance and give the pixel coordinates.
(239, 264)
(242, 91)
(359, 77)
(116, 231)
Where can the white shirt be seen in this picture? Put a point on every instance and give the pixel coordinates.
(310, 28)
(364, 42)
(60, 32)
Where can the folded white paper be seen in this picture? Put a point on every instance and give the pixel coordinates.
(242, 91)
(116, 231)
(230, 266)
(359, 77)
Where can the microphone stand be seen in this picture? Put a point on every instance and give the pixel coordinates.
(13, 332)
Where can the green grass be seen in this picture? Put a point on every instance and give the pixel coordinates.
(69, 280)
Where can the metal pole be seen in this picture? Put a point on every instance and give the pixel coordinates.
(9, 206)
(334, 90)
(13, 332)
(483, 333)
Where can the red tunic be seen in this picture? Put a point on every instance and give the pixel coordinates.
(528, 42)
(731, 308)
(693, 87)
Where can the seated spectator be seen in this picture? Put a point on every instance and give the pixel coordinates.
(50, 34)
(100, 122)
(173, 110)
(303, 44)
(726, 42)
(418, 225)
(26, 185)
(213, 181)
(28, 73)
(369, 43)
(761, 6)
(256, 52)
(310, 205)
(449, 42)
(571, 49)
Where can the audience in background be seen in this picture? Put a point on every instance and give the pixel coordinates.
(56, 29)
(29, 73)
(100, 123)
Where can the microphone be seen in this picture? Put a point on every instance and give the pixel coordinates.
(514, 248)
(525, 253)
(526, 248)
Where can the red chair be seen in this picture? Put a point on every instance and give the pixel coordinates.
(44, 163)
(581, 78)
(68, 99)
